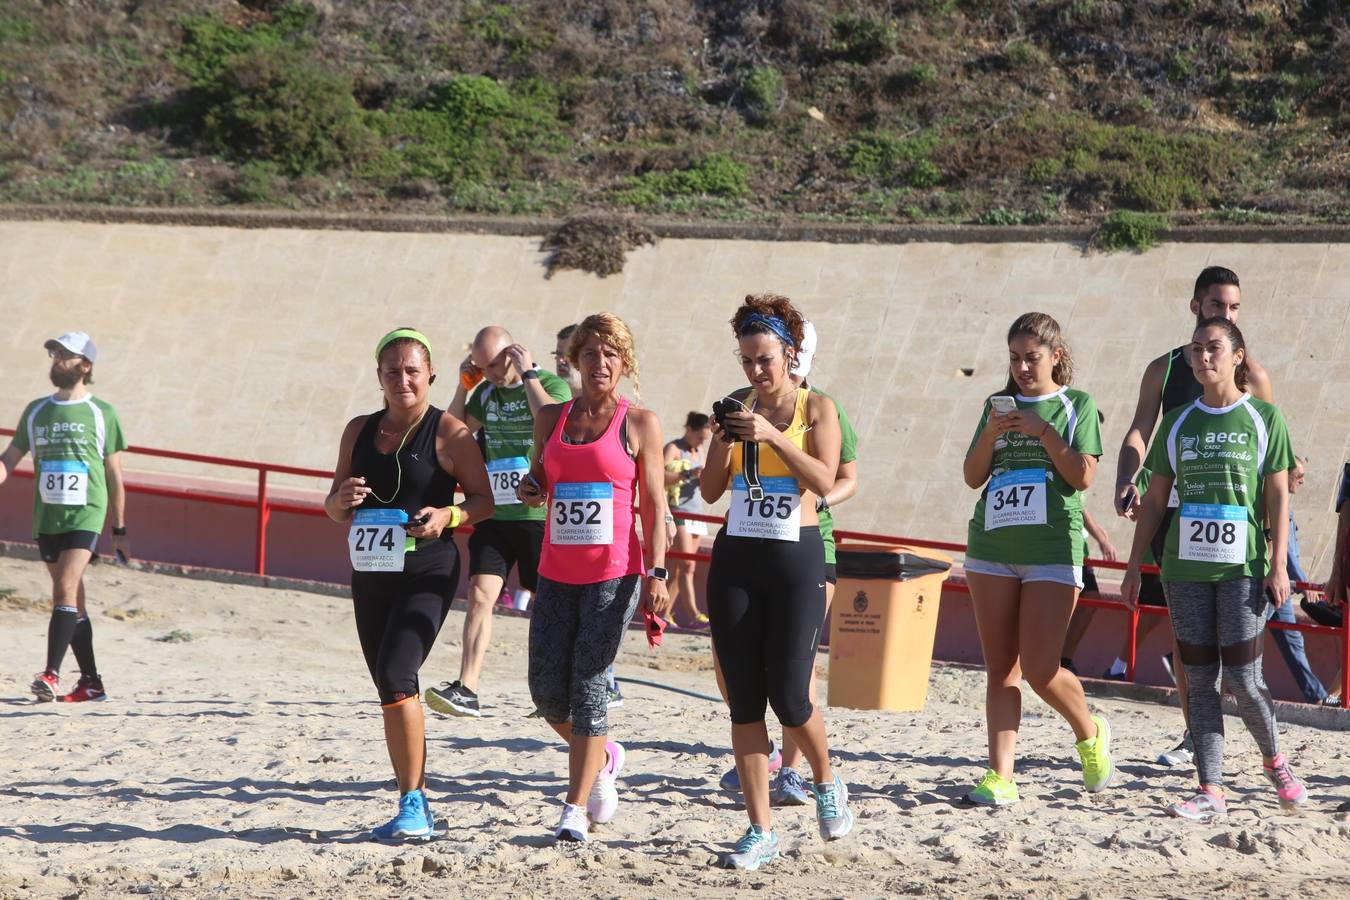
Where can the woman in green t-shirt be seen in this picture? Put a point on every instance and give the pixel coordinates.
(1228, 457)
(1034, 453)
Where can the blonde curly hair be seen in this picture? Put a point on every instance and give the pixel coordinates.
(614, 332)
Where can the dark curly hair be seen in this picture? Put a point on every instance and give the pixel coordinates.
(769, 305)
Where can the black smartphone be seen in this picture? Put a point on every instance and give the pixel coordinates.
(720, 410)
(1128, 500)
(419, 521)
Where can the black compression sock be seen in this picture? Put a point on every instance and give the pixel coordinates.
(82, 643)
(59, 632)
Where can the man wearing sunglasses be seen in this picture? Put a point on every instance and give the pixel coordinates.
(76, 442)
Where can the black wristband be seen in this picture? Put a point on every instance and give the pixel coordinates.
(532, 373)
(119, 532)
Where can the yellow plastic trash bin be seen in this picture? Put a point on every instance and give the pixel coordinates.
(882, 625)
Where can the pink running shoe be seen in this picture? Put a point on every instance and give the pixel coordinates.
(603, 801)
(1288, 788)
(1204, 805)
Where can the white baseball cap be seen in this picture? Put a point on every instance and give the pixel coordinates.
(806, 352)
(76, 342)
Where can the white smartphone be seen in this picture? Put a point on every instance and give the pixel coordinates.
(1002, 404)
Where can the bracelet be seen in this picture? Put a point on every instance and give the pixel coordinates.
(530, 373)
(119, 532)
(1044, 429)
(456, 516)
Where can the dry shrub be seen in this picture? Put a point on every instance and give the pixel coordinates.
(593, 244)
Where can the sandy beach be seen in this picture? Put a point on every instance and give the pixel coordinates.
(242, 757)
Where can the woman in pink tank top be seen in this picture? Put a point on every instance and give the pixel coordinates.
(599, 464)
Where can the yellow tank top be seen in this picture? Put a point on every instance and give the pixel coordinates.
(770, 464)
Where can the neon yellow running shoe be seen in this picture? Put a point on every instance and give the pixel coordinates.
(1095, 752)
(994, 790)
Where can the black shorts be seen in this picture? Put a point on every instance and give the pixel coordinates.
(831, 573)
(1090, 581)
(495, 546)
(1151, 590)
(51, 545)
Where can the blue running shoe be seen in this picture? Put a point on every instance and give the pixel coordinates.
(788, 789)
(731, 781)
(755, 848)
(833, 816)
(414, 821)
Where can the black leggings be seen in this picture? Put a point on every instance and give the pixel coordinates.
(398, 616)
(766, 603)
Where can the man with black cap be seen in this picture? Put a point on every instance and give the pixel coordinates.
(76, 442)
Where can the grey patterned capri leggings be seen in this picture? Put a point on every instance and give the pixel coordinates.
(1221, 630)
(575, 630)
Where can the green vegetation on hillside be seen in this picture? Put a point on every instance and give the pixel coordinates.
(1125, 115)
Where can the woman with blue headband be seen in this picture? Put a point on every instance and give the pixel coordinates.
(395, 483)
(766, 584)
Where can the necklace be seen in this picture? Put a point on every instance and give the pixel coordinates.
(402, 431)
(398, 484)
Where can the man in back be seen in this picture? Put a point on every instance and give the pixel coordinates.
(507, 392)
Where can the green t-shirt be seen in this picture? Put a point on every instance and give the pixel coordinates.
(1219, 459)
(848, 452)
(1028, 514)
(69, 440)
(507, 439)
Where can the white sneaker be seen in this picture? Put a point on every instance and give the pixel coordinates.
(603, 801)
(1183, 754)
(573, 825)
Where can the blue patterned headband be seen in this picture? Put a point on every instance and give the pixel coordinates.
(773, 323)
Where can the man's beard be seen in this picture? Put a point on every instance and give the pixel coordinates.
(573, 379)
(65, 379)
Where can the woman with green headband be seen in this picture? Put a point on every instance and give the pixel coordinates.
(395, 482)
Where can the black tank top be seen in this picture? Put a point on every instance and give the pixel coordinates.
(424, 482)
(1179, 385)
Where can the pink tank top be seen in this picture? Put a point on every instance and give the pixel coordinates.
(590, 533)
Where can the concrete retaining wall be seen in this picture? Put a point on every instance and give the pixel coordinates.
(257, 343)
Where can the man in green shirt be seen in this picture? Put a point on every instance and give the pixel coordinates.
(76, 442)
(509, 392)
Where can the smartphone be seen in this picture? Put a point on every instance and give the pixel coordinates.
(1002, 404)
(720, 410)
(419, 521)
(1128, 500)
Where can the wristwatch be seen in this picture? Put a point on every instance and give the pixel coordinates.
(659, 573)
(119, 532)
(530, 373)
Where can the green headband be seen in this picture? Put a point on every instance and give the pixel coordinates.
(402, 333)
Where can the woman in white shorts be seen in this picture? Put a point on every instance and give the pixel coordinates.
(1034, 453)
(684, 462)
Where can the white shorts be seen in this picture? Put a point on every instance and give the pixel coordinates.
(695, 527)
(1060, 574)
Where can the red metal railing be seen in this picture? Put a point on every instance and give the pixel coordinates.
(265, 507)
(952, 584)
